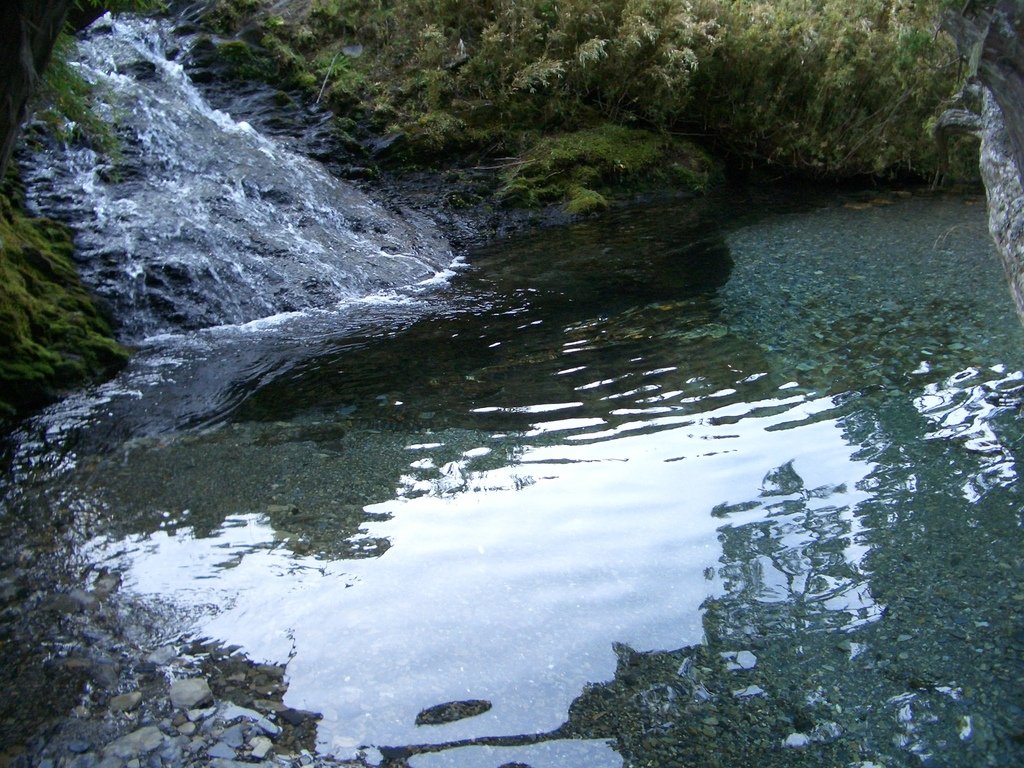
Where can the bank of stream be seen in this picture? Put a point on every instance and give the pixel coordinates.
(729, 481)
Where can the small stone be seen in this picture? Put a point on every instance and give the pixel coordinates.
(78, 746)
(86, 600)
(269, 728)
(748, 692)
(796, 741)
(106, 584)
(191, 692)
(451, 711)
(746, 660)
(233, 736)
(282, 509)
(163, 655)
(187, 729)
(195, 715)
(139, 742)
(221, 749)
(125, 702)
(295, 716)
(261, 746)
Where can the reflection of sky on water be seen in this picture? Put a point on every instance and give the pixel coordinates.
(596, 481)
(515, 589)
(961, 408)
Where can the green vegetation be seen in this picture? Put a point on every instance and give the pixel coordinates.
(827, 88)
(52, 333)
(573, 101)
(63, 102)
(577, 167)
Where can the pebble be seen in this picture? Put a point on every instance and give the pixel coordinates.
(233, 736)
(136, 743)
(196, 715)
(261, 746)
(221, 749)
(190, 692)
(746, 660)
(125, 702)
(748, 692)
(796, 741)
(162, 656)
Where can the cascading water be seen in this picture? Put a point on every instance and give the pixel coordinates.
(199, 220)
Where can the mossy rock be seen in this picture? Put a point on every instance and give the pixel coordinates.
(580, 168)
(52, 332)
(246, 62)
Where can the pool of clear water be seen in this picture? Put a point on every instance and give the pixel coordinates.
(707, 483)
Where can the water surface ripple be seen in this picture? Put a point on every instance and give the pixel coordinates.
(682, 486)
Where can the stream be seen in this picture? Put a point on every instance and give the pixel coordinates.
(719, 482)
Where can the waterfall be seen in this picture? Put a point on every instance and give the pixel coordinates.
(200, 220)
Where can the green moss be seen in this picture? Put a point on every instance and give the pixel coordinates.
(246, 62)
(64, 102)
(583, 201)
(227, 15)
(578, 168)
(52, 333)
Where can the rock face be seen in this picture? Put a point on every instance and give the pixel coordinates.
(1002, 176)
(990, 35)
(27, 36)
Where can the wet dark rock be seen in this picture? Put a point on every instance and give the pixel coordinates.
(451, 711)
(296, 716)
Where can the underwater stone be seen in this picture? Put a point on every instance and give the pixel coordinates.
(796, 741)
(191, 692)
(139, 742)
(451, 711)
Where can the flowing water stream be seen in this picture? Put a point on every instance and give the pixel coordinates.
(729, 482)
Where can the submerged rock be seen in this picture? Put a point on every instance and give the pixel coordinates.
(140, 742)
(186, 694)
(451, 711)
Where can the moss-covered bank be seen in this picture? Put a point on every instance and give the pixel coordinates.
(52, 333)
(832, 89)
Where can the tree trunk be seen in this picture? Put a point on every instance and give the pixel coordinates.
(27, 35)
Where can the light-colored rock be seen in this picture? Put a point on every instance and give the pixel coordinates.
(261, 746)
(195, 715)
(140, 742)
(221, 750)
(746, 660)
(191, 692)
(796, 741)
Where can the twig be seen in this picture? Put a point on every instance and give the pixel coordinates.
(327, 77)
